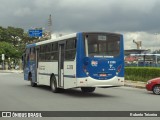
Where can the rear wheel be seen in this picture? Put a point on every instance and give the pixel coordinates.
(88, 89)
(53, 85)
(156, 89)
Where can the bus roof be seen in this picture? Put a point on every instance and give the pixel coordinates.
(57, 39)
(51, 40)
(64, 37)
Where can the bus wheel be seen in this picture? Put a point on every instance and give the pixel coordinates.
(53, 85)
(88, 89)
(33, 84)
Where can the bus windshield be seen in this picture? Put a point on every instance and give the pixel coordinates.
(102, 45)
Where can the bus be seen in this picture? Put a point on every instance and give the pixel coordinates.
(85, 60)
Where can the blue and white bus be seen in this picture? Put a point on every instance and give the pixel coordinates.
(83, 60)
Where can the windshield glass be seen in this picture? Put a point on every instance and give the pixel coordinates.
(102, 45)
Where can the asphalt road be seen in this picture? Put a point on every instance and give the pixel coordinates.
(17, 95)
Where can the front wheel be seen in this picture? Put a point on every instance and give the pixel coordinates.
(33, 84)
(156, 89)
(88, 89)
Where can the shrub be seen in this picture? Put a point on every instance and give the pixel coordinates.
(141, 73)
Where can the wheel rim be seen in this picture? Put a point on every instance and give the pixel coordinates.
(157, 89)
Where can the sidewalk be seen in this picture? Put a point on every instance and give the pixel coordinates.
(135, 84)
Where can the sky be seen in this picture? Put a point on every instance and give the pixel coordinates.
(137, 20)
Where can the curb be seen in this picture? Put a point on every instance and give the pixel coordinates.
(135, 84)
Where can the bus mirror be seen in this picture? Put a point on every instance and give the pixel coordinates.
(86, 61)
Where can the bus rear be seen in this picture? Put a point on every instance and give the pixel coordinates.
(100, 60)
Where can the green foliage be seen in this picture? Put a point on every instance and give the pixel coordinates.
(141, 73)
(15, 35)
(9, 50)
(13, 41)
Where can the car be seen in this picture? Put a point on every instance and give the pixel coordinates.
(154, 85)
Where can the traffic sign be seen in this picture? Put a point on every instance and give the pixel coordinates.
(35, 33)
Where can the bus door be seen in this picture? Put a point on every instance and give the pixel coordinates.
(61, 64)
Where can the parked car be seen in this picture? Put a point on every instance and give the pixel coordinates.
(154, 85)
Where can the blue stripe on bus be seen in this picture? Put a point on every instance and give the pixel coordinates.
(80, 56)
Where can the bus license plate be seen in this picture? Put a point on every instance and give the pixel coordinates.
(102, 75)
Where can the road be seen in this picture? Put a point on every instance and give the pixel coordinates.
(17, 95)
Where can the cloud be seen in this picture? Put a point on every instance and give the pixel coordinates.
(124, 16)
(21, 12)
(149, 40)
(108, 15)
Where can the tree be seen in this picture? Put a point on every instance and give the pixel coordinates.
(9, 51)
(13, 41)
(4, 35)
(15, 35)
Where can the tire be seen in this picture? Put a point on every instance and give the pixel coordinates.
(156, 89)
(53, 85)
(88, 89)
(33, 84)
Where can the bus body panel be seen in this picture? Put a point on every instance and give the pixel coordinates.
(45, 71)
(47, 68)
(70, 74)
(90, 82)
(80, 56)
(97, 69)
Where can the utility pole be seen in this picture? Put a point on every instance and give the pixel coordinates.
(50, 25)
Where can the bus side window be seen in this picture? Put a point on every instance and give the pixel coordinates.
(70, 50)
(54, 51)
(32, 54)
